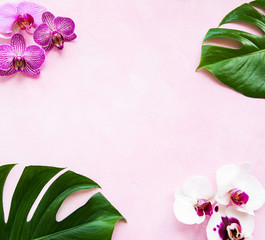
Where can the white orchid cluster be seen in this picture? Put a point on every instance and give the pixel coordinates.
(230, 209)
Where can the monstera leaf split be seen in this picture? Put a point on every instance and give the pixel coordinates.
(242, 69)
(93, 221)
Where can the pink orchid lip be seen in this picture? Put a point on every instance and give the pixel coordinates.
(234, 231)
(230, 229)
(57, 40)
(25, 21)
(19, 63)
(203, 207)
(239, 197)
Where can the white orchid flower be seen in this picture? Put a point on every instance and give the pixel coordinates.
(194, 201)
(237, 187)
(227, 223)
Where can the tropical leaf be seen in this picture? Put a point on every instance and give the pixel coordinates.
(242, 69)
(93, 221)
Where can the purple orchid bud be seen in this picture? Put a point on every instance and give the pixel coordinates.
(54, 31)
(23, 16)
(19, 58)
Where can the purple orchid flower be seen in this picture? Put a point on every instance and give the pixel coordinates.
(17, 57)
(24, 16)
(54, 31)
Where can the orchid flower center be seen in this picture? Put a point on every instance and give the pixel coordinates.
(19, 63)
(239, 197)
(230, 229)
(57, 40)
(234, 231)
(25, 21)
(203, 207)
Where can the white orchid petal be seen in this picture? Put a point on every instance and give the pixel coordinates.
(211, 230)
(178, 193)
(249, 238)
(184, 210)
(225, 177)
(246, 221)
(198, 187)
(245, 209)
(223, 200)
(251, 186)
(212, 200)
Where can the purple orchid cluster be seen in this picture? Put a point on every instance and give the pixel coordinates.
(47, 30)
(230, 209)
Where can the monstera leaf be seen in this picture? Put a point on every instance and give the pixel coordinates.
(93, 221)
(242, 69)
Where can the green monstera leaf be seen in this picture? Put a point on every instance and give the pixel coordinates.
(242, 69)
(93, 221)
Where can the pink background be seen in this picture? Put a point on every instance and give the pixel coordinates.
(123, 105)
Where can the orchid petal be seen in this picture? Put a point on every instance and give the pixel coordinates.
(42, 35)
(30, 30)
(198, 187)
(18, 43)
(225, 177)
(8, 16)
(33, 9)
(250, 185)
(65, 26)
(223, 199)
(69, 38)
(6, 56)
(232, 177)
(6, 35)
(244, 209)
(246, 222)
(184, 210)
(48, 47)
(8, 72)
(48, 18)
(34, 56)
(16, 28)
(31, 72)
(212, 230)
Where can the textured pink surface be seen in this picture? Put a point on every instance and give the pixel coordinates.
(123, 105)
